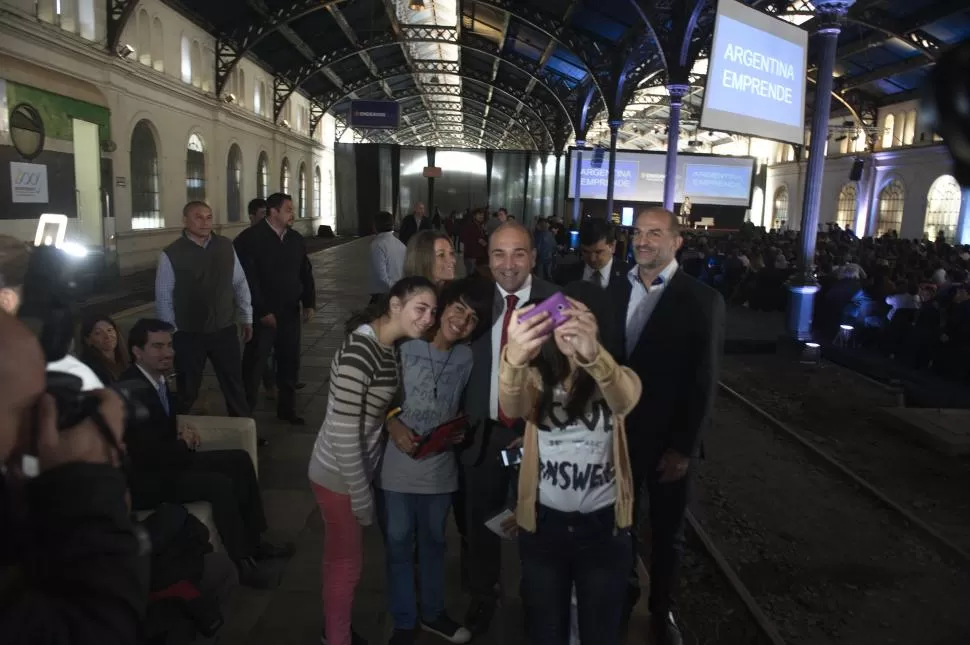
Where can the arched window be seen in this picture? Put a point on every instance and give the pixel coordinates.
(890, 216)
(302, 205)
(158, 45)
(195, 169)
(262, 176)
(317, 189)
(241, 87)
(909, 130)
(887, 131)
(196, 64)
(943, 209)
(780, 208)
(186, 52)
(846, 209)
(234, 184)
(144, 38)
(87, 26)
(258, 97)
(145, 201)
(285, 176)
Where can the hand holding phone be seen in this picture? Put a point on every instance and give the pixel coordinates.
(532, 326)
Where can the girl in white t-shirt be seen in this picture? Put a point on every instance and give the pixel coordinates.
(575, 501)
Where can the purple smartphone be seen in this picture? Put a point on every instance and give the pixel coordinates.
(554, 305)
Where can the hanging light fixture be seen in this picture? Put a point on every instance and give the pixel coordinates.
(416, 5)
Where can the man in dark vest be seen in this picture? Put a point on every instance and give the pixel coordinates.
(281, 280)
(200, 289)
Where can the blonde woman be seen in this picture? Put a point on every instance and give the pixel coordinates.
(431, 255)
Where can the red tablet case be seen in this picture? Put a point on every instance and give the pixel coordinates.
(439, 439)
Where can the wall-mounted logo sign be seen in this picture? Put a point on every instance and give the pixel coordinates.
(28, 183)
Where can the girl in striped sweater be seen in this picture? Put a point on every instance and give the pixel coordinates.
(364, 378)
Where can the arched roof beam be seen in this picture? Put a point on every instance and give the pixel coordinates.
(431, 129)
(440, 107)
(557, 30)
(232, 46)
(448, 122)
(510, 124)
(464, 75)
(416, 94)
(298, 77)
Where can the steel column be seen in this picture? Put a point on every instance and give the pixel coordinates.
(677, 93)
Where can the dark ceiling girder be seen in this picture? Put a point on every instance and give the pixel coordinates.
(232, 46)
(886, 71)
(450, 114)
(297, 78)
(119, 13)
(558, 30)
(445, 128)
(466, 75)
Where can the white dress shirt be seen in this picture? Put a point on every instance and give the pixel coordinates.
(643, 300)
(524, 294)
(386, 262)
(605, 272)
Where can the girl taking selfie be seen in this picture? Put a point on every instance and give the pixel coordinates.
(363, 381)
(575, 497)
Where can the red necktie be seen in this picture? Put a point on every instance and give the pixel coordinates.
(510, 302)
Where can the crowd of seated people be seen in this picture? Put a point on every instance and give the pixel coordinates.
(904, 298)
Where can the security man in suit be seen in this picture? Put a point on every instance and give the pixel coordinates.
(511, 259)
(672, 331)
(597, 244)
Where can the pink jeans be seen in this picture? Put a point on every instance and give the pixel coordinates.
(342, 561)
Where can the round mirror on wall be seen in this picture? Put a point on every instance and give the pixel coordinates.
(27, 131)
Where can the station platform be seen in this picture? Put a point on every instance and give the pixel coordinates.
(291, 614)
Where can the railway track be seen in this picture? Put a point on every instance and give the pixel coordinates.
(813, 551)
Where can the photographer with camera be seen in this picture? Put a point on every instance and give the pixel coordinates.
(72, 568)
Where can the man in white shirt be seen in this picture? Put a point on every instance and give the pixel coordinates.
(673, 331)
(386, 256)
(487, 481)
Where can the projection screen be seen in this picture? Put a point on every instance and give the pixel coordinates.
(706, 179)
(756, 75)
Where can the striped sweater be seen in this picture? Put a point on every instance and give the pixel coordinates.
(364, 378)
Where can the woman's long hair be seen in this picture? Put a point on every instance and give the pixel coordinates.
(553, 366)
(420, 256)
(403, 289)
(93, 357)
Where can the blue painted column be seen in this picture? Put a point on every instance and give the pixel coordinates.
(804, 284)
(677, 94)
(577, 215)
(963, 223)
(610, 179)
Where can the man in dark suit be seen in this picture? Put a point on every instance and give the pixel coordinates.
(597, 244)
(411, 224)
(671, 328)
(166, 468)
(487, 480)
(280, 277)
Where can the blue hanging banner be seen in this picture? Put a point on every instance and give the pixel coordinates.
(375, 114)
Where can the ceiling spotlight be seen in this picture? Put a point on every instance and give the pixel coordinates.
(229, 98)
(285, 124)
(126, 50)
(416, 5)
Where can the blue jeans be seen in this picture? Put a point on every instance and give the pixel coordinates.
(581, 549)
(402, 515)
